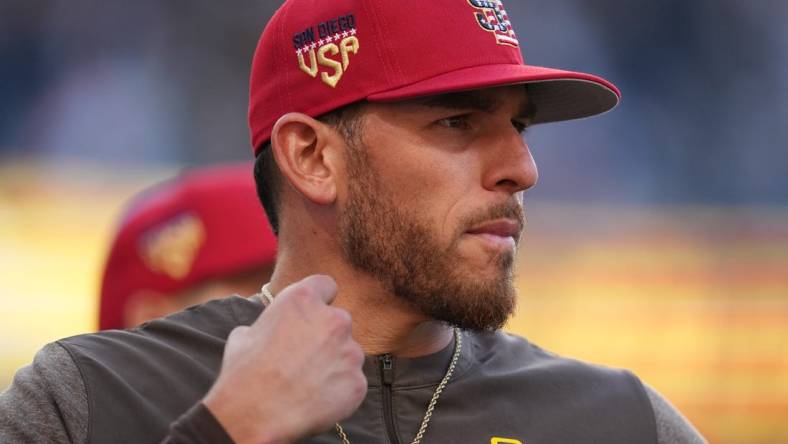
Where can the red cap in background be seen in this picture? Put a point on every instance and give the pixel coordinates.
(203, 224)
(316, 56)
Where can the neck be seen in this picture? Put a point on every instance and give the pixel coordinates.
(382, 322)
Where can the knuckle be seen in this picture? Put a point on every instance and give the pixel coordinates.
(359, 387)
(298, 297)
(338, 322)
(289, 294)
(355, 356)
(341, 315)
(303, 294)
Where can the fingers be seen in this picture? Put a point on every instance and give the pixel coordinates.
(305, 299)
(317, 287)
(299, 356)
(324, 287)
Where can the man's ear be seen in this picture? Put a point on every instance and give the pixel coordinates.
(306, 150)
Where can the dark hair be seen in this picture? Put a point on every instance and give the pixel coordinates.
(268, 178)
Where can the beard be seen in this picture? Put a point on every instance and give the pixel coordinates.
(399, 248)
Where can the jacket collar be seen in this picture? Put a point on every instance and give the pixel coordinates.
(424, 370)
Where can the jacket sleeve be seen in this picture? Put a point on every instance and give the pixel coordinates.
(46, 401)
(197, 426)
(672, 426)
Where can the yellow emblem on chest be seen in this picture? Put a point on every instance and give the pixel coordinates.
(496, 440)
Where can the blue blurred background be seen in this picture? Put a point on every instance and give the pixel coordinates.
(703, 118)
(686, 177)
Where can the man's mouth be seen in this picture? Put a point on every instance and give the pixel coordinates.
(500, 233)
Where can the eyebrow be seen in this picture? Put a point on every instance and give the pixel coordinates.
(474, 100)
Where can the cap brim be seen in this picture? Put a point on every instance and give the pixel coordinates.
(557, 94)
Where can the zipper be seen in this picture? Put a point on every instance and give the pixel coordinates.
(387, 377)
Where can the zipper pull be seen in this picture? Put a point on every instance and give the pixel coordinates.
(387, 369)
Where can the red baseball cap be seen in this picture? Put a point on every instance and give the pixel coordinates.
(316, 56)
(204, 224)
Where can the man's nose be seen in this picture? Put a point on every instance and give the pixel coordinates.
(510, 166)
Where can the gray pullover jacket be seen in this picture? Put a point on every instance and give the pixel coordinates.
(144, 386)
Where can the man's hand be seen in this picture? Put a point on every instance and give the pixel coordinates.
(294, 372)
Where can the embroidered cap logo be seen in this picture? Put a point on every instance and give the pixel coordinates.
(493, 18)
(172, 249)
(316, 50)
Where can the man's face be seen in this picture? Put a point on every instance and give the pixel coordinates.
(433, 207)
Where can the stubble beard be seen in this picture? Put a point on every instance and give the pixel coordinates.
(398, 248)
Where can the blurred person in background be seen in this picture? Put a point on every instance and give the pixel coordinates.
(199, 236)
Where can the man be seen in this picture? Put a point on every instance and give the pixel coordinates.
(392, 166)
(200, 236)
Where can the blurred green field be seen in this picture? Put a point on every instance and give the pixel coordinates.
(693, 299)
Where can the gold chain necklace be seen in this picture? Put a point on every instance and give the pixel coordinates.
(435, 396)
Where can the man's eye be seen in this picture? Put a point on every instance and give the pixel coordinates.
(455, 122)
